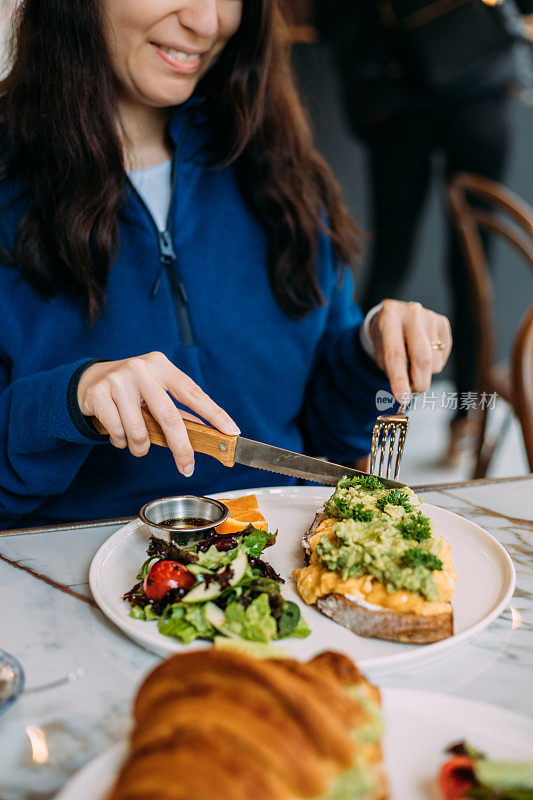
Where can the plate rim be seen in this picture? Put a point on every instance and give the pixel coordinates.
(378, 664)
(390, 695)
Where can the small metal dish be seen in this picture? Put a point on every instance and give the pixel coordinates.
(198, 515)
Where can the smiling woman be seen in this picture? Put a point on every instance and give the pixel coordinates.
(170, 238)
(158, 54)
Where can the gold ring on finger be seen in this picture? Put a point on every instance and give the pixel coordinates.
(438, 345)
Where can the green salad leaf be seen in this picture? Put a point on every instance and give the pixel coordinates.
(186, 623)
(505, 776)
(145, 569)
(212, 559)
(288, 620)
(256, 541)
(146, 613)
(486, 793)
(301, 630)
(254, 622)
(250, 600)
(137, 612)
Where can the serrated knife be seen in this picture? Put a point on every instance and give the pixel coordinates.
(230, 450)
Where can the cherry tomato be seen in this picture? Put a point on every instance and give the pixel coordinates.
(167, 575)
(456, 777)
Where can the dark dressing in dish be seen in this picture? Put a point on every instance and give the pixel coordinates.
(184, 523)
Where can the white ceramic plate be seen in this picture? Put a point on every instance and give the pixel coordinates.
(485, 585)
(419, 726)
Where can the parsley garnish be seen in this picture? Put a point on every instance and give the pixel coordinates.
(417, 557)
(340, 507)
(368, 482)
(360, 513)
(395, 498)
(364, 481)
(416, 527)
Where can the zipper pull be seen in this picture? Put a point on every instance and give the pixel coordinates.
(168, 258)
(166, 248)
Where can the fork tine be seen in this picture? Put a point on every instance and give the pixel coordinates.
(399, 451)
(375, 439)
(385, 434)
(379, 446)
(392, 442)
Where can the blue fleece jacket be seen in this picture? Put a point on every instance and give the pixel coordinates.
(200, 294)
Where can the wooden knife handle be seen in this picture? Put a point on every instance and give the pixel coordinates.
(203, 438)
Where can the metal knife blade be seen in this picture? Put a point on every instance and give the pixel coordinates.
(276, 459)
(236, 449)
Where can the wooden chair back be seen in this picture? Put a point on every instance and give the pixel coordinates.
(477, 205)
(522, 376)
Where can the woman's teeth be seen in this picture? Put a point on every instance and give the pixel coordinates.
(179, 55)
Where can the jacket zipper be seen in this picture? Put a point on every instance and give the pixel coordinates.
(169, 262)
(168, 258)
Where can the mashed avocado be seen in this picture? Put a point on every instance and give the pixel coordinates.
(381, 532)
(374, 728)
(355, 782)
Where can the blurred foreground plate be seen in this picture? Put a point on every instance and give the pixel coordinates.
(419, 727)
(485, 584)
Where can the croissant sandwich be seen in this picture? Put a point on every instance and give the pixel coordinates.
(220, 725)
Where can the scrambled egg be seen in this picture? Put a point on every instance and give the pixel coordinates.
(316, 580)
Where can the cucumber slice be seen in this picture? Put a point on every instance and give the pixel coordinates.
(214, 615)
(196, 569)
(201, 593)
(238, 565)
(217, 618)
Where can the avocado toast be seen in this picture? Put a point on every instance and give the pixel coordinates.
(375, 565)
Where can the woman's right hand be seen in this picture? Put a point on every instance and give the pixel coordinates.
(114, 391)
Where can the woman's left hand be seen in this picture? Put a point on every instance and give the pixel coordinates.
(411, 344)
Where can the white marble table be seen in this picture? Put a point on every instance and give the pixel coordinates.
(81, 672)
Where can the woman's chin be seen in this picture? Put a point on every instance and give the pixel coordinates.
(175, 97)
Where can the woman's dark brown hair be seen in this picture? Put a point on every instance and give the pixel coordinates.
(58, 135)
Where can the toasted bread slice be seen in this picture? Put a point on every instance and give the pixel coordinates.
(380, 623)
(319, 517)
(386, 624)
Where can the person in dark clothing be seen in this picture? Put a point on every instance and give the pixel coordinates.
(473, 137)
(403, 121)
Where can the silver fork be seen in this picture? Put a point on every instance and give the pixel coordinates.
(389, 429)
